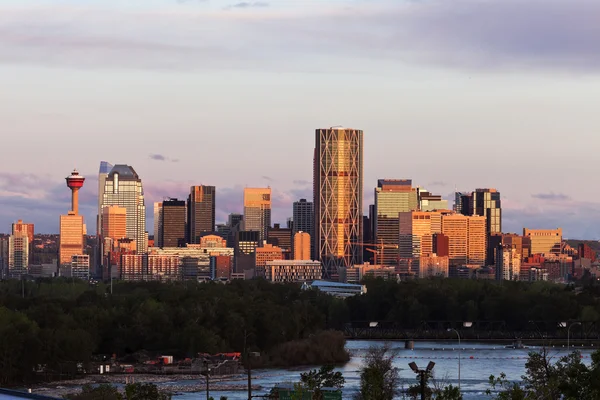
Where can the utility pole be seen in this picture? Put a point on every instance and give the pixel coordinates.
(207, 370)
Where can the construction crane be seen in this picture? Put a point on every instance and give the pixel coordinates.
(379, 248)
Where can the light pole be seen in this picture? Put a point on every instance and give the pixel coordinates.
(423, 374)
(207, 371)
(457, 334)
(569, 333)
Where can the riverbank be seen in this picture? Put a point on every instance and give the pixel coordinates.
(171, 384)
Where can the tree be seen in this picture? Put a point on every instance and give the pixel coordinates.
(144, 391)
(379, 378)
(315, 380)
(568, 378)
(102, 392)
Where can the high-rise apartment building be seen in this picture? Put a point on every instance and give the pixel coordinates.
(201, 212)
(338, 197)
(19, 229)
(172, 232)
(466, 239)
(303, 216)
(123, 187)
(18, 255)
(392, 197)
(302, 241)
(544, 241)
(71, 225)
(80, 267)
(257, 210)
(508, 263)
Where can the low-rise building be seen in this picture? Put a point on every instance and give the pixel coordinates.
(293, 271)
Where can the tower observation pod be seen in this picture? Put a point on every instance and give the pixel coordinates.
(75, 182)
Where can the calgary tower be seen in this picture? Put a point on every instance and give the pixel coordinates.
(75, 182)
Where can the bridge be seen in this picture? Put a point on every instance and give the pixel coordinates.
(475, 330)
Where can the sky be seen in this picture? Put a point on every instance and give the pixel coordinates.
(451, 94)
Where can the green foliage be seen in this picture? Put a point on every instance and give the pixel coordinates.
(144, 391)
(379, 379)
(448, 393)
(101, 392)
(61, 324)
(315, 380)
(567, 378)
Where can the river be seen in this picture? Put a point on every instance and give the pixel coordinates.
(478, 362)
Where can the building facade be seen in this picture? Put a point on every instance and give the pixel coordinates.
(257, 211)
(264, 254)
(18, 255)
(466, 239)
(286, 271)
(543, 241)
(338, 197)
(173, 228)
(392, 197)
(302, 241)
(201, 212)
(123, 187)
(303, 216)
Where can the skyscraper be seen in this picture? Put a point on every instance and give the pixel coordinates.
(338, 197)
(158, 215)
(20, 228)
(123, 187)
(486, 203)
(392, 197)
(544, 241)
(201, 212)
(303, 216)
(173, 223)
(257, 211)
(103, 172)
(71, 225)
(466, 239)
(114, 223)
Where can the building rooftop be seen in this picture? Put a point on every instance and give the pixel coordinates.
(124, 171)
(105, 167)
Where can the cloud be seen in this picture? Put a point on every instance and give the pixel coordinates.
(465, 34)
(158, 157)
(245, 4)
(437, 183)
(551, 196)
(268, 178)
(302, 182)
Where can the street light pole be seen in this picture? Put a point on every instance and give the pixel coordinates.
(459, 350)
(207, 371)
(569, 333)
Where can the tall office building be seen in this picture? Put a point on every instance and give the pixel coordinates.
(338, 197)
(201, 212)
(263, 254)
(303, 216)
(114, 223)
(392, 197)
(244, 247)
(158, 222)
(544, 241)
(123, 187)
(302, 243)
(173, 223)
(416, 240)
(103, 172)
(257, 211)
(466, 239)
(71, 225)
(483, 202)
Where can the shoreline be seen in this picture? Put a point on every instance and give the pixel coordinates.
(72, 386)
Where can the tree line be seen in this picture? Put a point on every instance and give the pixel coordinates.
(54, 326)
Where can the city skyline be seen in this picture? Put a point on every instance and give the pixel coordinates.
(408, 86)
